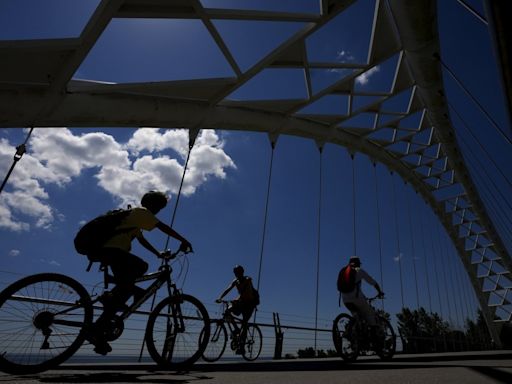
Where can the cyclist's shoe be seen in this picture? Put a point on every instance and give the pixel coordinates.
(240, 351)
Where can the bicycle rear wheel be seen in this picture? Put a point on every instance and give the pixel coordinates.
(178, 331)
(42, 322)
(253, 342)
(344, 336)
(217, 344)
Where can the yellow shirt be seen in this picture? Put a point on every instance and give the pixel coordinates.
(137, 220)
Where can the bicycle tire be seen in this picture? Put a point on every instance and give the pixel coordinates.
(253, 343)
(217, 343)
(47, 302)
(387, 352)
(169, 346)
(344, 337)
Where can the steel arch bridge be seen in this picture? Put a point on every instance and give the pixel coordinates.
(37, 88)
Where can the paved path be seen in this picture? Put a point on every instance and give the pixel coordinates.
(464, 368)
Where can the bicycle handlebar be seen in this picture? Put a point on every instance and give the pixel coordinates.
(378, 296)
(168, 255)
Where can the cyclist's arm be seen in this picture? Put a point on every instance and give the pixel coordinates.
(370, 280)
(226, 291)
(146, 244)
(171, 232)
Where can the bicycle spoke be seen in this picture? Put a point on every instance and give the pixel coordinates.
(40, 322)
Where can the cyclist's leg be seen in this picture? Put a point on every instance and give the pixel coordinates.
(369, 314)
(247, 311)
(126, 269)
(233, 310)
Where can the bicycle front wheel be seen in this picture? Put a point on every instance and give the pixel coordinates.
(217, 344)
(42, 322)
(344, 336)
(178, 331)
(387, 345)
(253, 343)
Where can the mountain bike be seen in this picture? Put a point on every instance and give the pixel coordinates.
(45, 318)
(250, 347)
(353, 336)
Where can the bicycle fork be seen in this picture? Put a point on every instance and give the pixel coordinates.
(175, 325)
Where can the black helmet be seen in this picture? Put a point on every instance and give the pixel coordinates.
(238, 269)
(355, 260)
(154, 201)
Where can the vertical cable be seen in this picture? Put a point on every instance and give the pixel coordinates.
(265, 216)
(264, 230)
(413, 252)
(443, 269)
(20, 151)
(379, 236)
(399, 257)
(354, 205)
(190, 146)
(453, 267)
(461, 285)
(318, 243)
(436, 274)
(427, 274)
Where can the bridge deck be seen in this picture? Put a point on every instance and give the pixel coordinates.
(467, 368)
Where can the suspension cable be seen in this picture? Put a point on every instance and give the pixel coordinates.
(468, 129)
(446, 258)
(318, 241)
(191, 143)
(455, 281)
(265, 217)
(413, 251)
(470, 95)
(190, 146)
(473, 11)
(469, 159)
(434, 263)
(443, 270)
(379, 235)
(399, 256)
(461, 285)
(354, 204)
(20, 151)
(427, 274)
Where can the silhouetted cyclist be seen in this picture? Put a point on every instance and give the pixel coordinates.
(355, 300)
(244, 304)
(125, 266)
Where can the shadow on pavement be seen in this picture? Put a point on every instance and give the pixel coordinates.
(110, 377)
(491, 366)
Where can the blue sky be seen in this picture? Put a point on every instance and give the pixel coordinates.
(71, 175)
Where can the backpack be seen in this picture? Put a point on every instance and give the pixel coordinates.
(256, 296)
(91, 237)
(346, 279)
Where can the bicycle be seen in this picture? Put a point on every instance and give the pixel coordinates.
(45, 318)
(352, 336)
(252, 344)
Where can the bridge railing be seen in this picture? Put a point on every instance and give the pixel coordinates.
(284, 336)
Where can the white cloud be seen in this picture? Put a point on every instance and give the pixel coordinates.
(50, 262)
(14, 252)
(365, 77)
(125, 170)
